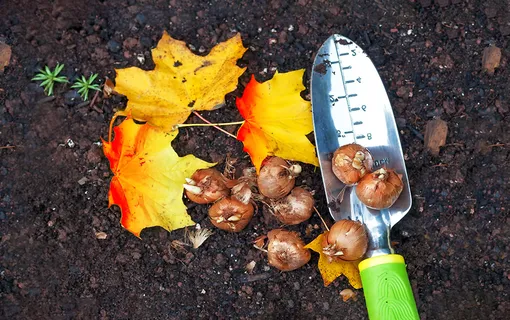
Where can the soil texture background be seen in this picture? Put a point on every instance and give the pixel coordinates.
(54, 183)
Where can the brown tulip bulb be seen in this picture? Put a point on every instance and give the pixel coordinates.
(346, 240)
(351, 162)
(295, 207)
(206, 186)
(277, 178)
(230, 214)
(286, 251)
(380, 189)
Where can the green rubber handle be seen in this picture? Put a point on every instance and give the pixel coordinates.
(388, 293)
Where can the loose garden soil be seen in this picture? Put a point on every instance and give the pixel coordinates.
(54, 182)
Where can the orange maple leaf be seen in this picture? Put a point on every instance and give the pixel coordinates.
(148, 177)
(277, 119)
(181, 81)
(332, 270)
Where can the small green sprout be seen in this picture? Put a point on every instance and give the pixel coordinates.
(49, 78)
(83, 85)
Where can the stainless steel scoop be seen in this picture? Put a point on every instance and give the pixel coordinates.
(350, 105)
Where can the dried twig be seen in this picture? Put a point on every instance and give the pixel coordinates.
(320, 216)
(94, 99)
(440, 165)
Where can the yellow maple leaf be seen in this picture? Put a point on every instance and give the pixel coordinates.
(148, 177)
(181, 81)
(277, 119)
(332, 270)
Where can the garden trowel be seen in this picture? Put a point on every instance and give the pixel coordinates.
(350, 105)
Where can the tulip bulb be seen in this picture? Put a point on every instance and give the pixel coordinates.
(346, 240)
(351, 162)
(380, 189)
(230, 214)
(206, 186)
(276, 178)
(286, 251)
(295, 207)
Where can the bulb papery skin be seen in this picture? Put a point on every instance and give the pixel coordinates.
(275, 179)
(380, 189)
(346, 240)
(206, 186)
(351, 162)
(295, 208)
(230, 214)
(286, 251)
(242, 192)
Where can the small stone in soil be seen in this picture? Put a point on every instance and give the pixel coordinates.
(113, 46)
(452, 33)
(130, 43)
(491, 59)
(140, 19)
(505, 30)
(146, 42)
(491, 12)
(93, 39)
(71, 98)
(94, 155)
(501, 107)
(435, 135)
(401, 123)
(404, 92)
(5, 56)
(449, 106)
(442, 3)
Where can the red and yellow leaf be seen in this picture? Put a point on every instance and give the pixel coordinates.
(332, 270)
(148, 177)
(181, 81)
(277, 119)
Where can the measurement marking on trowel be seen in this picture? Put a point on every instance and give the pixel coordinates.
(333, 99)
(354, 109)
(349, 81)
(360, 137)
(357, 123)
(345, 87)
(344, 54)
(348, 132)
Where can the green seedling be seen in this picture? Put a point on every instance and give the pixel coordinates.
(49, 78)
(84, 86)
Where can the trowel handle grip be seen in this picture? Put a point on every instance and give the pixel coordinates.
(388, 293)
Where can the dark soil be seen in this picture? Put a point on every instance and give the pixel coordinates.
(53, 193)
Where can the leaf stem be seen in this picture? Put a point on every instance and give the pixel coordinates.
(207, 124)
(111, 127)
(214, 125)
